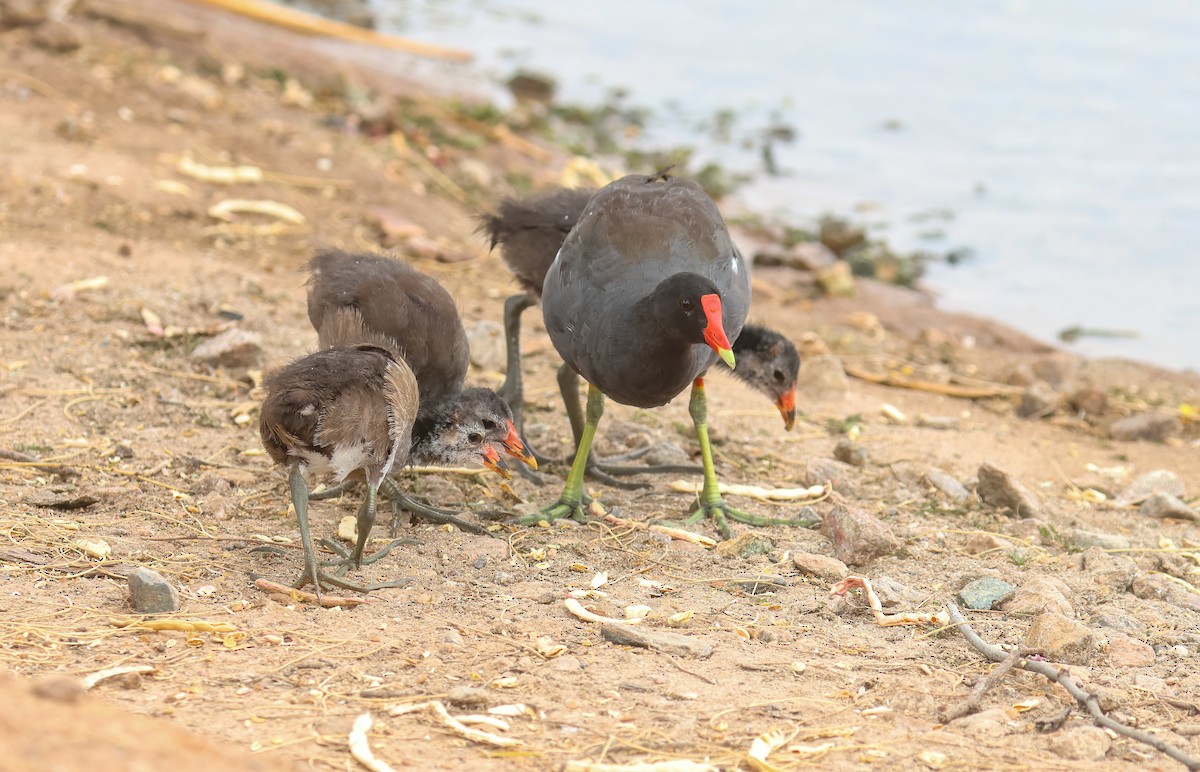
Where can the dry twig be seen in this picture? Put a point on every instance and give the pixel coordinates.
(886, 620)
(328, 601)
(945, 389)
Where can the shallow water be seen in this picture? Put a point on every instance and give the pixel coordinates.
(1062, 137)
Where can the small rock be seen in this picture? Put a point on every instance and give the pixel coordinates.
(1021, 375)
(858, 537)
(22, 13)
(1108, 541)
(1088, 402)
(392, 226)
(1039, 401)
(486, 340)
(1083, 743)
(58, 688)
(1163, 505)
(1112, 571)
(850, 452)
(837, 280)
(150, 593)
(1057, 369)
(532, 87)
(453, 637)
(950, 487)
(909, 475)
(745, 545)
(1161, 587)
(840, 235)
(1116, 619)
(57, 36)
(998, 488)
(468, 696)
(1040, 594)
(666, 454)
(1061, 639)
(232, 348)
(988, 723)
(822, 377)
(943, 423)
(979, 543)
(217, 505)
(438, 489)
(819, 471)
(1145, 486)
(566, 663)
(893, 594)
(1155, 427)
(812, 256)
(670, 643)
(476, 171)
(822, 566)
(1126, 651)
(982, 594)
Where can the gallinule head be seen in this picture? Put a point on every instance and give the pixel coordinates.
(418, 319)
(768, 362)
(341, 412)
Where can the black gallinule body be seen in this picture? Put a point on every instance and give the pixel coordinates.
(640, 301)
(530, 231)
(407, 312)
(339, 412)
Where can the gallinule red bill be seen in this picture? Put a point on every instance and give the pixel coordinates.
(530, 231)
(412, 314)
(334, 414)
(641, 300)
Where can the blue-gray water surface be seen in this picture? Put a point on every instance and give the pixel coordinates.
(1062, 138)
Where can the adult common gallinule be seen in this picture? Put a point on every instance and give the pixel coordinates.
(339, 412)
(530, 231)
(640, 302)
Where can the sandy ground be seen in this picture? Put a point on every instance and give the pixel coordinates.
(90, 186)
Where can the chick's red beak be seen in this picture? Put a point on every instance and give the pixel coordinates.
(515, 448)
(787, 408)
(491, 459)
(714, 333)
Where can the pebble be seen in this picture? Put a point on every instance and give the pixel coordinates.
(150, 593)
(1114, 572)
(1057, 369)
(566, 663)
(837, 280)
(476, 171)
(23, 13)
(822, 566)
(947, 485)
(893, 594)
(1116, 619)
(438, 489)
(669, 643)
(1021, 375)
(1160, 587)
(1041, 594)
(1110, 541)
(232, 348)
(1127, 651)
(1038, 401)
(822, 377)
(1148, 484)
(486, 341)
(1163, 505)
(1083, 743)
(745, 545)
(850, 452)
(858, 537)
(1089, 402)
(983, 594)
(812, 256)
(819, 471)
(59, 688)
(392, 226)
(988, 723)
(940, 422)
(1061, 639)
(1155, 427)
(57, 36)
(453, 637)
(998, 488)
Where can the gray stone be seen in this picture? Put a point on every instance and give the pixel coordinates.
(822, 377)
(1155, 427)
(988, 723)
(947, 485)
(819, 471)
(1127, 651)
(1082, 743)
(666, 454)
(1114, 618)
(670, 643)
(999, 489)
(893, 594)
(1150, 483)
(1040, 594)
(1039, 401)
(745, 545)
(810, 256)
(1108, 541)
(486, 341)
(57, 36)
(1112, 571)
(1061, 639)
(850, 452)
(232, 348)
(858, 538)
(150, 593)
(909, 475)
(1163, 505)
(1161, 587)
(1057, 369)
(822, 566)
(1088, 402)
(985, 593)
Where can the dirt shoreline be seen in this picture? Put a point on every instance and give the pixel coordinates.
(114, 271)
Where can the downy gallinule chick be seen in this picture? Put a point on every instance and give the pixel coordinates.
(411, 314)
(339, 412)
(530, 231)
(640, 302)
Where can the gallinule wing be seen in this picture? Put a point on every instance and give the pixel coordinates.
(640, 302)
(339, 412)
(412, 314)
(530, 231)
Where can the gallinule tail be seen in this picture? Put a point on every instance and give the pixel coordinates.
(640, 302)
(530, 231)
(339, 412)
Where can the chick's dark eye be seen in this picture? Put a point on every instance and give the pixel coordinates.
(475, 438)
(685, 304)
(778, 376)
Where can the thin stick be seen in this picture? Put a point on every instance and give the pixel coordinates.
(328, 601)
(971, 704)
(945, 389)
(1063, 678)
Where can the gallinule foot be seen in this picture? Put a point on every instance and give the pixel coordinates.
(339, 412)
(410, 313)
(640, 302)
(530, 231)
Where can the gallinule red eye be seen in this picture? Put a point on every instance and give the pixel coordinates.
(530, 231)
(333, 414)
(641, 300)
